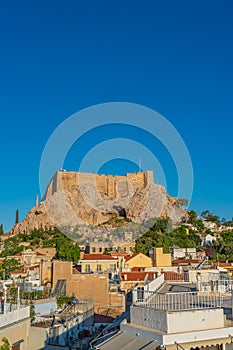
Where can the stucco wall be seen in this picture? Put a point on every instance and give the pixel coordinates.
(139, 260)
(149, 318)
(172, 322)
(194, 320)
(15, 326)
(162, 259)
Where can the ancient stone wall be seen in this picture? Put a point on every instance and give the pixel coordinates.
(106, 185)
(74, 198)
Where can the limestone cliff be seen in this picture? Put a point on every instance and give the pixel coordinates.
(74, 198)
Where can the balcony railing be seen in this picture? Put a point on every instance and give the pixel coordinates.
(14, 314)
(178, 301)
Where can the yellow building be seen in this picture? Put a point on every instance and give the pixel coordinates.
(29, 257)
(162, 259)
(126, 247)
(98, 263)
(137, 260)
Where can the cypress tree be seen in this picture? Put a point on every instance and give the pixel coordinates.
(17, 217)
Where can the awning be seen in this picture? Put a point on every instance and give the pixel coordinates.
(126, 342)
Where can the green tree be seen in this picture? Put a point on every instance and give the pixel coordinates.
(6, 344)
(17, 217)
(13, 292)
(1, 229)
(32, 311)
(192, 217)
(208, 216)
(9, 265)
(11, 247)
(67, 249)
(160, 236)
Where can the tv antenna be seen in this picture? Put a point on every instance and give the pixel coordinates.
(140, 165)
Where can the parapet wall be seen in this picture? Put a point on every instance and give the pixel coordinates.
(177, 321)
(106, 185)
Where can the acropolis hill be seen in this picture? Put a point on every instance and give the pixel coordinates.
(74, 198)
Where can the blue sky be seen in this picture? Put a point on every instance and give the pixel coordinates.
(58, 57)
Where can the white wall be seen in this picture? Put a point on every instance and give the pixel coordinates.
(178, 321)
(154, 319)
(15, 316)
(188, 321)
(155, 284)
(206, 275)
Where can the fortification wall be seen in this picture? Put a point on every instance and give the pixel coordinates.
(107, 185)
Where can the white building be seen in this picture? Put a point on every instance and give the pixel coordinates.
(175, 321)
(15, 326)
(180, 253)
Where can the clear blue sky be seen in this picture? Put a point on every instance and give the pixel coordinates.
(57, 57)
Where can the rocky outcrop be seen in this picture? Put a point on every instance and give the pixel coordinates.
(74, 198)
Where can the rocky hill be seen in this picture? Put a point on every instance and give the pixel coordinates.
(74, 198)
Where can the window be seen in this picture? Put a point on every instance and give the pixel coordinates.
(28, 261)
(99, 268)
(140, 293)
(87, 268)
(100, 250)
(93, 249)
(112, 267)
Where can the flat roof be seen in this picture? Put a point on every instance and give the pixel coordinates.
(125, 341)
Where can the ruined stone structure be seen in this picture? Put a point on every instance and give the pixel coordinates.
(74, 198)
(107, 185)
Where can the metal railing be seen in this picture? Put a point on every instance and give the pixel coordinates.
(221, 285)
(179, 301)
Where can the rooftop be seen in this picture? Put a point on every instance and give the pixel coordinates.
(126, 341)
(96, 257)
(131, 256)
(137, 276)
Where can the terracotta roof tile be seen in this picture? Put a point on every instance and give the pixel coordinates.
(185, 261)
(16, 272)
(131, 256)
(137, 276)
(97, 257)
(174, 276)
(33, 267)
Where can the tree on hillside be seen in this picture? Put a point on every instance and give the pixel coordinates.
(192, 217)
(148, 241)
(11, 247)
(10, 265)
(17, 217)
(1, 229)
(194, 220)
(164, 238)
(67, 250)
(162, 225)
(210, 217)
